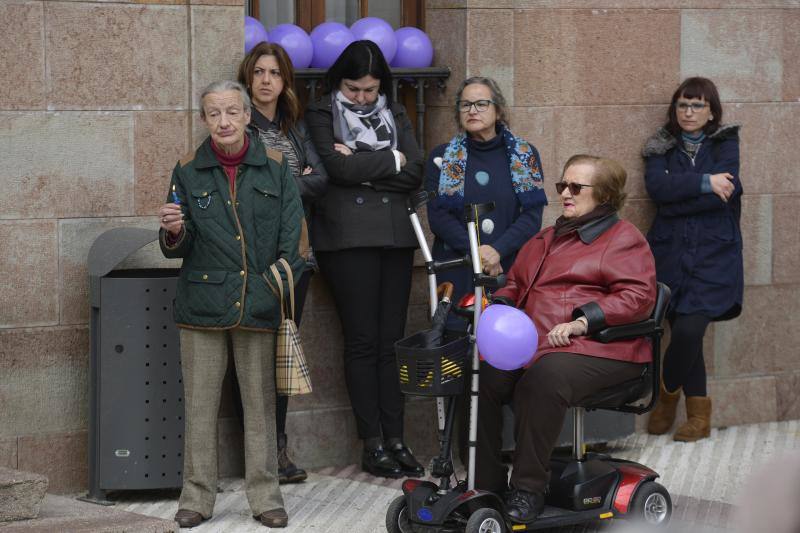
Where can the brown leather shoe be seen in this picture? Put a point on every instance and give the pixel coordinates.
(663, 415)
(187, 519)
(274, 518)
(698, 420)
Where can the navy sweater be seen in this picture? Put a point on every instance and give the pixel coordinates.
(506, 229)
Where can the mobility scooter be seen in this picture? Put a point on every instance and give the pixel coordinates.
(583, 486)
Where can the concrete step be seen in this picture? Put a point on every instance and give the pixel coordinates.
(62, 513)
(21, 494)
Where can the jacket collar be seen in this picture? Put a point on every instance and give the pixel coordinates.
(590, 231)
(663, 141)
(255, 156)
(260, 121)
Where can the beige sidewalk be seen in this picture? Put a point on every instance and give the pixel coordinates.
(705, 479)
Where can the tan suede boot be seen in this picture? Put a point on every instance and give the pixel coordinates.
(698, 420)
(663, 414)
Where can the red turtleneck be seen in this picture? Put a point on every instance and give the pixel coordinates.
(230, 162)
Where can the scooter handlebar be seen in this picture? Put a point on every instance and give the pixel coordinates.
(489, 282)
(418, 199)
(439, 266)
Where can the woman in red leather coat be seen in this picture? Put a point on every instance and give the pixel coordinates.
(588, 271)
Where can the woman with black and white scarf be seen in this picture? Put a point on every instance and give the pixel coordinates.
(364, 242)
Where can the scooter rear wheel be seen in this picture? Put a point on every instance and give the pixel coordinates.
(486, 520)
(397, 516)
(651, 504)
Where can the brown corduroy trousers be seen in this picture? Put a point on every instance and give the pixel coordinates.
(541, 395)
(204, 360)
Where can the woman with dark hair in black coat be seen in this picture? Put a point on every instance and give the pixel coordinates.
(692, 175)
(364, 242)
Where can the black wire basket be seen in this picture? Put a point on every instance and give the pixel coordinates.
(438, 371)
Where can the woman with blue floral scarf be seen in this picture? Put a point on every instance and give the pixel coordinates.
(483, 163)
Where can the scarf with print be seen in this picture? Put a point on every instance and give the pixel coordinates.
(526, 171)
(363, 127)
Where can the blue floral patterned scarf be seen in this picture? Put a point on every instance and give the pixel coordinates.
(526, 171)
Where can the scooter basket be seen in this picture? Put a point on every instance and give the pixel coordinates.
(437, 371)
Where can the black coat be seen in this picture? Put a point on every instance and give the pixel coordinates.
(695, 237)
(352, 214)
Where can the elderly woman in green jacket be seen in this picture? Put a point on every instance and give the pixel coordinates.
(233, 210)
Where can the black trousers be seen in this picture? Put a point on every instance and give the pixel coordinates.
(370, 287)
(541, 395)
(684, 364)
(281, 402)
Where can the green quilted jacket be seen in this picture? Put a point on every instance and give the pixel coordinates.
(230, 240)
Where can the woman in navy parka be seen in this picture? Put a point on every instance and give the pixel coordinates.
(692, 174)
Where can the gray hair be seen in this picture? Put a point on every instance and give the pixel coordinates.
(497, 97)
(222, 86)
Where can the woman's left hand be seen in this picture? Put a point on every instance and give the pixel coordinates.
(306, 171)
(560, 334)
(490, 260)
(342, 149)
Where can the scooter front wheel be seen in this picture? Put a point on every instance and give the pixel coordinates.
(397, 516)
(651, 504)
(486, 520)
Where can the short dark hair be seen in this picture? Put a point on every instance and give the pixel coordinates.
(608, 184)
(497, 97)
(288, 102)
(696, 87)
(359, 59)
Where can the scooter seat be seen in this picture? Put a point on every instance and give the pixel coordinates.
(619, 395)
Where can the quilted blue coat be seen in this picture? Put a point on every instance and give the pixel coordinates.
(695, 237)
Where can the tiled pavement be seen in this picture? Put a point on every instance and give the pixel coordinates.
(704, 478)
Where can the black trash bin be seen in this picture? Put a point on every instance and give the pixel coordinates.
(136, 416)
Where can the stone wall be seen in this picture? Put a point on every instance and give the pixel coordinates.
(96, 103)
(98, 100)
(597, 76)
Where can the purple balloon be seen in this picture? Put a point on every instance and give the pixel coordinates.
(254, 33)
(329, 40)
(379, 32)
(506, 337)
(295, 41)
(414, 49)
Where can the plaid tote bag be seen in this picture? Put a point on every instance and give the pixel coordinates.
(292, 376)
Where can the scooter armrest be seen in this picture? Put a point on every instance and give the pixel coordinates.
(644, 328)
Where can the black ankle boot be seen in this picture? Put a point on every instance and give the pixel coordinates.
(288, 472)
(404, 457)
(523, 506)
(376, 461)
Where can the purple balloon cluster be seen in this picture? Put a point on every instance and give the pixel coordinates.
(405, 48)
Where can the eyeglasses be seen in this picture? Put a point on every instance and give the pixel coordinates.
(694, 106)
(480, 106)
(574, 188)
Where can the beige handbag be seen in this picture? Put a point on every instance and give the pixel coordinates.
(292, 376)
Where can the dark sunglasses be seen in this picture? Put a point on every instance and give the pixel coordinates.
(574, 188)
